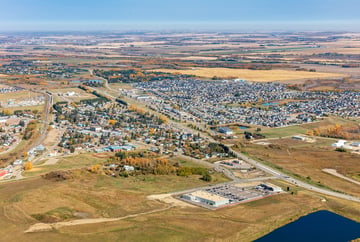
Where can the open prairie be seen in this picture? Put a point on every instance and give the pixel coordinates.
(254, 75)
(87, 196)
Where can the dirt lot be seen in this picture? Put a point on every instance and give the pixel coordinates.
(52, 137)
(254, 75)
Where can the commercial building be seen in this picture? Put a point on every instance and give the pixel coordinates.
(206, 198)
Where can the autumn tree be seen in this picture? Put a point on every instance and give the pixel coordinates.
(28, 166)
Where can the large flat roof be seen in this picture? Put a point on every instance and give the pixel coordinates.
(208, 196)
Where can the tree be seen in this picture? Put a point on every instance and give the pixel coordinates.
(28, 166)
(152, 131)
(95, 168)
(163, 119)
(206, 177)
(310, 132)
(112, 122)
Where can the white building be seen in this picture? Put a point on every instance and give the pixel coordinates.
(206, 198)
(339, 143)
(129, 168)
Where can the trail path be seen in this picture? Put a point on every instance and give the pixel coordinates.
(42, 227)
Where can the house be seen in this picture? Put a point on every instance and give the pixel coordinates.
(18, 163)
(95, 129)
(129, 168)
(225, 130)
(39, 148)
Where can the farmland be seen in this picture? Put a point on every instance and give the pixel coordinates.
(254, 75)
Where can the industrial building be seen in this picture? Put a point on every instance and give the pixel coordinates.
(206, 198)
(219, 196)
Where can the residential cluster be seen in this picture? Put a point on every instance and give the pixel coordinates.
(11, 128)
(7, 89)
(239, 101)
(111, 127)
(47, 68)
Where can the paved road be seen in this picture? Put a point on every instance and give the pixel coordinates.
(294, 181)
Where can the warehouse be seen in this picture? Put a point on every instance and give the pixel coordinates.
(206, 198)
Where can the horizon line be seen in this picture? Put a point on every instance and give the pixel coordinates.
(243, 26)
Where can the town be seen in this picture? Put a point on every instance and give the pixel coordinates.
(187, 137)
(238, 101)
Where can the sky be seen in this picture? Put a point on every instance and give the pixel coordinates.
(180, 14)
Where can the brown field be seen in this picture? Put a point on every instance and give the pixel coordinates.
(308, 160)
(97, 196)
(39, 108)
(52, 137)
(254, 75)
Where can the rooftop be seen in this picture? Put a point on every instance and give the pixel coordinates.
(208, 196)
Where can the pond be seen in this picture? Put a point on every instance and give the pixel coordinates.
(316, 227)
(243, 127)
(269, 104)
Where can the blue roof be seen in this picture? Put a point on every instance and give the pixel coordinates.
(114, 147)
(225, 129)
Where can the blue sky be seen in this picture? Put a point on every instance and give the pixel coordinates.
(112, 14)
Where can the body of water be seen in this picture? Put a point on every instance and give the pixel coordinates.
(269, 104)
(321, 226)
(243, 127)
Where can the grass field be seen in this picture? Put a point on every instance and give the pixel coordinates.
(116, 86)
(101, 196)
(24, 94)
(299, 129)
(65, 163)
(87, 195)
(60, 95)
(308, 159)
(254, 75)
